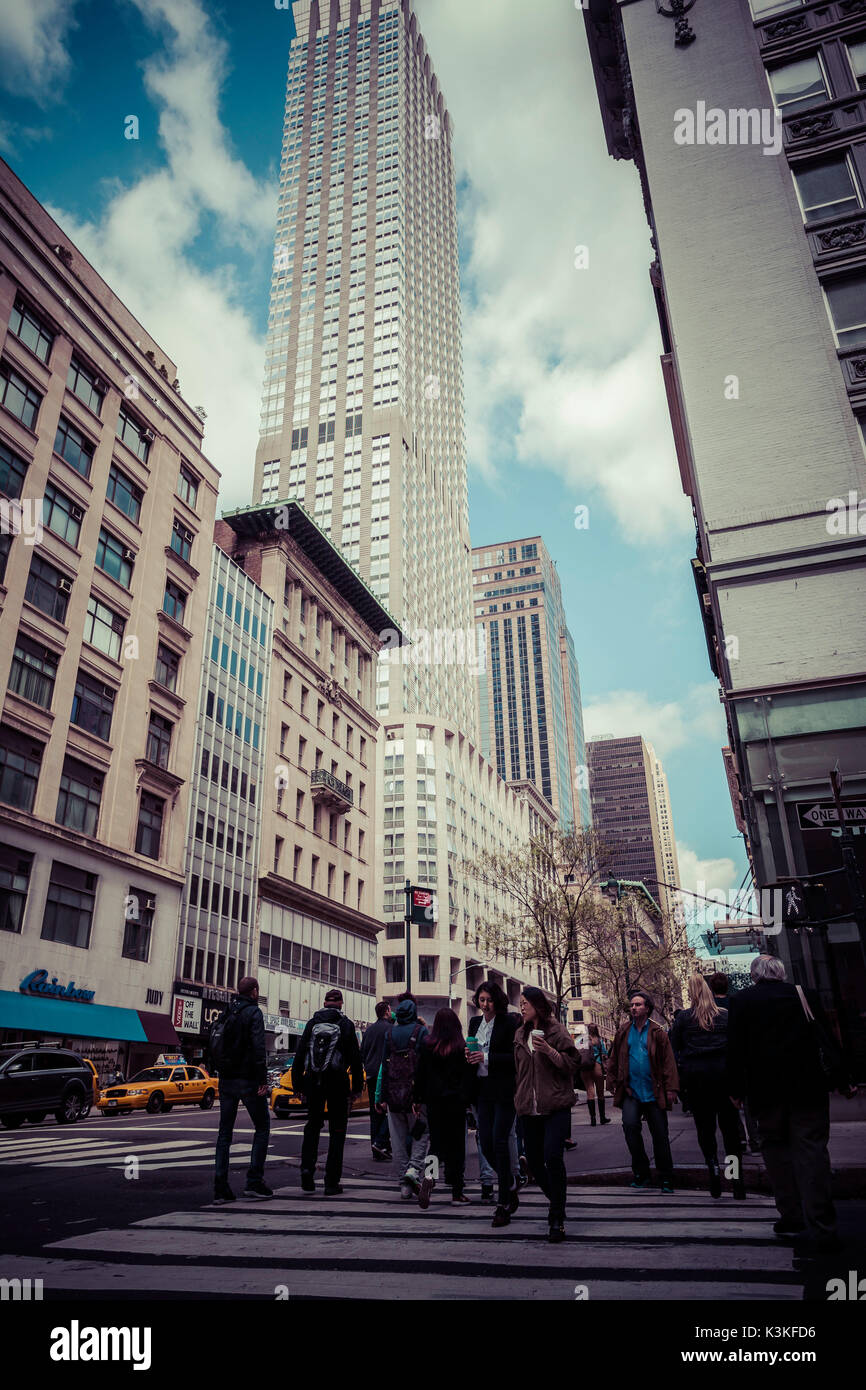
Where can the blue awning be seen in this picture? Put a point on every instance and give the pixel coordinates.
(68, 1019)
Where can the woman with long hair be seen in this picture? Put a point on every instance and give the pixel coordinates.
(440, 1083)
(699, 1038)
(592, 1062)
(546, 1061)
(490, 1052)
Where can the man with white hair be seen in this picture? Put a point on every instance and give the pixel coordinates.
(783, 1059)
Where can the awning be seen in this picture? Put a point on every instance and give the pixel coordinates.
(68, 1019)
(159, 1030)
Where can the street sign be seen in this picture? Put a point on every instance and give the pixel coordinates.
(822, 815)
(422, 905)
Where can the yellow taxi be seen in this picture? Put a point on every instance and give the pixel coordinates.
(157, 1089)
(94, 1100)
(284, 1100)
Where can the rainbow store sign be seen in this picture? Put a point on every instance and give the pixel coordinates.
(37, 982)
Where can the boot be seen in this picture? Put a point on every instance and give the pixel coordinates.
(739, 1189)
(601, 1114)
(590, 1105)
(715, 1179)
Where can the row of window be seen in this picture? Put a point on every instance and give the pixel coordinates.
(225, 714)
(80, 793)
(290, 957)
(68, 914)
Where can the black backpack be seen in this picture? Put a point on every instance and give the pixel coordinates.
(227, 1043)
(323, 1051)
(399, 1077)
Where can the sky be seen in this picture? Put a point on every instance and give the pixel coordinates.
(568, 434)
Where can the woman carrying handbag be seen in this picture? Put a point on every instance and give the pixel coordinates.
(592, 1060)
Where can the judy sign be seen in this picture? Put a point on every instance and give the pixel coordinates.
(37, 982)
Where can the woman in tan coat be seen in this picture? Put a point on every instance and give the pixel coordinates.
(547, 1061)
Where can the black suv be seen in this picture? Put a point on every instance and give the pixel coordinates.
(36, 1081)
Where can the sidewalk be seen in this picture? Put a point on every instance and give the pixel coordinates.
(601, 1157)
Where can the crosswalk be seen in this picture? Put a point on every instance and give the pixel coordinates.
(367, 1243)
(64, 1148)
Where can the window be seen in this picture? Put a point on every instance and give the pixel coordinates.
(395, 969)
(167, 666)
(138, 924)
(69, 906)
(74, 447)
(798, 85)
(5, 547)
(847, 300)
(762, 8)
(278, 852)
(149, 831)
(103, 628)
(92, 706)
(857, 59)
(33, 671)
(174, 601)
(114, 558)
(123, 493)
(427, 968)
(158, 740)
(187, 486)
(79, 797)
(134, 435)
(85, 384)
(296, 864)
(827, 187)
(181, 540)
(61, 515)
(15, 868)
(31, 330)
(47, 589)
(20, 761)
(13, 471)
(314, 870)
(20, 398)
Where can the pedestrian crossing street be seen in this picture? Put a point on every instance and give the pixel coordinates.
(368, 1244)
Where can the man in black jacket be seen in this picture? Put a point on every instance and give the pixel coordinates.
(775, 1053)
(328, 1050)
(243, 1075)
(372, 1053)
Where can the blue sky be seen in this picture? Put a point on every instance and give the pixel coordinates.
(564, 397)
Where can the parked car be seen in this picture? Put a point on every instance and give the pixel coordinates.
(284, 1100)
(157, 1089)
(36, 1081)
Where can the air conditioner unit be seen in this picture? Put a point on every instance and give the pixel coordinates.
(128, 554)
(65, 586)
(148, 435)
(76, 513)
(100, 384)
(109, 691)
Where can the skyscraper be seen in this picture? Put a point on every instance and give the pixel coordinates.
(631, 811)
(362, 412)
(529, 690)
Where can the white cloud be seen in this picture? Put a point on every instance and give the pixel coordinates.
(143, 243)
(706, 876)
(571, 354)
(33, 57)
(667, 724)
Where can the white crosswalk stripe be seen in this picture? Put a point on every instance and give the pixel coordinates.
(66, 1151)
(369, 1244)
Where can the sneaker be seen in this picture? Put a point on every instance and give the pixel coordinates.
(667, 1185)
(556, 1235)
(640, 1184)
(406, 1193)
(524, 1166)
(459, 1199)
(425, 1192)
(501, 1217)
(487, 1196)
(258, 1189)
(788, 1228)
(570, 1143)
(605, 1120)
(223, 1194)
(308, 1182)
(333, 1191)
(412, 1182)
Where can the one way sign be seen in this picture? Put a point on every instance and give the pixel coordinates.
(824, 813)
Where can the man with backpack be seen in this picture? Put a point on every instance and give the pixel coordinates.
(410, 1136)
(238, 1054)
(327, 1052)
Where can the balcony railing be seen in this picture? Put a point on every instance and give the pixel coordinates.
(329, 791)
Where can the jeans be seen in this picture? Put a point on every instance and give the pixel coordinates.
(794, 1138)
(633, 1112)
(379, 1134)
(337, 1099)
(495, 1123)
(448, 1138)
(409, 1154)
(710, 1105)
(232, 1092)
(544, 1137)
(485, 1172)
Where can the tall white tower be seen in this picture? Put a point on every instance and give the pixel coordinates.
(362, 410)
